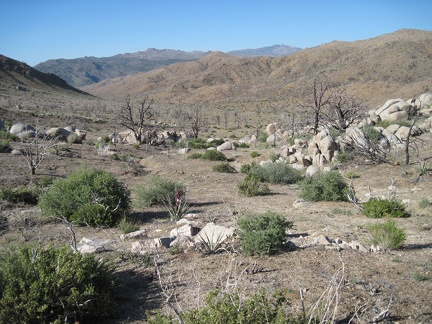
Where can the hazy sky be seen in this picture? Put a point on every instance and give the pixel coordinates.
(34, 31)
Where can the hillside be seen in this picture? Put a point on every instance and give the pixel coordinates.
(392, 65)
(20, 75)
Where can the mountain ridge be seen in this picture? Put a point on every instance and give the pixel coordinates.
(87, 70)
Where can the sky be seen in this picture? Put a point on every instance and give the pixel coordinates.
(33, 31)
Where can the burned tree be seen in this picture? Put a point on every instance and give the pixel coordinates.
(196, 120)
(137, 118)
(342, 109)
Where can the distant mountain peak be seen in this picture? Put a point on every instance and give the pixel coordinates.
(272, 51)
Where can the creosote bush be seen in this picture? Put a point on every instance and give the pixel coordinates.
(87, 197)
(54, 286)
(276, 172)
(232, 308)
(223, 168)
(253, 186)
(213, 155)
(380, 208)
(156, 191)
(327, 186)
(387, 235)
(263, 233)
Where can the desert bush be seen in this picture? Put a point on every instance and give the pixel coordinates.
(424, 202)
(241, 145)
(371, 133)
(344, 156)
(213, 155)
(232, 308)
(8, 136)
(87, 197)
(5, 145)
(252, 186)
(263, 233)
(379, 208)
(127, 225)
(223, 168)
(351, 175)
(387, 235)
(276, 172)
(54, 286)
(247, 168)
(255, 154)
(262, 137)
(327, 186)
(195, 155)
(156, 191)
(25, 195)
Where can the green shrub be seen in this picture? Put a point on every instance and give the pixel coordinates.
(351, 175)
(87, 197)
(263, 233)
(223, 168)
(387, 235)
(5, 146)
(213, 155)
(255, 154)
(232, 308)
(252, 186)
(127, 226)
(8, 136)
(344, 156)
(424, 202)
(379, 208)
(247, 168)
(54, 286)
(26, 195)
(262, 137)
(156, 191)
(195, 156)
(241, 145)
(276, 172)
(372, 133)
(327, 186)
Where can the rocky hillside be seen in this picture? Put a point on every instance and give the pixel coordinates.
(273, 51)
(392, 65)
(20, 76)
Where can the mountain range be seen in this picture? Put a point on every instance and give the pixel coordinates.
(397, 65)
(79, 72)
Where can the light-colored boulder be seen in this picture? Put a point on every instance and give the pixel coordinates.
(21, 128)
(150, 245)
(214, 234)
(226, 146)
(272, 128)
(311, 170)
(424, 101)
(185, 230)
(184, 150)
(136, 235)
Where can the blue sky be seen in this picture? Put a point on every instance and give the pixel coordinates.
(34, 31)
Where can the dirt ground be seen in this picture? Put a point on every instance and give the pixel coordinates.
(369, 283)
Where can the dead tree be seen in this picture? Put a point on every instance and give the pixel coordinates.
(342, 109)
(408, 141)
(136, 119)
(321, 98)
(37, 149)
(196, 120)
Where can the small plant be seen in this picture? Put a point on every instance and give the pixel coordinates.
(274, 157)
(372, 133)
(424, 203)
(241, 145)
(175, 250)
(255, 154)
(24, 195)
(247, 168)
(127, 226)
(209, 245)
(54, 286)
(387, 235)
(276, 172)
(195, 156)
(155, 191)
(177, 207)
(327, 186)
(87, 197)
(344, 157)
(351, 175)
(213, 155)
(223, 168)
(339, 211)
(263, 233)
(380, 208)
(5, 145)
(417, 276)
(135, 146)
(423, 168)
(253, 186)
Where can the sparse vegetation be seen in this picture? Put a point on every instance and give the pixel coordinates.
(387, 235)
(276, 172)
(327, 186)
(54, 286)
(127, 225)
(380, 208)
(20, 195)
(156, 190)
(262, 234)
(253, 186)
(86, 197)
(254, 154)
(213, 155)
(223, 168)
